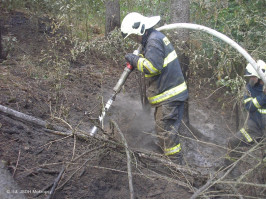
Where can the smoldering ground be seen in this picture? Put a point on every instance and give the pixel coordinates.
(137, 125)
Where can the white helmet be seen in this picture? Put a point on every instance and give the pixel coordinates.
(250, 71)
(135, 23)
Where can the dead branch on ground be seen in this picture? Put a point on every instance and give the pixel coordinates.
(48, 126)
(74, 160)
(130, 182)
(56, 183)
(17, 163)
(83, 135)
(117, 146)
(222, 174)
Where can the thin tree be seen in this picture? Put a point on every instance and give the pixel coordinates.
(1, 48)
(112, 15)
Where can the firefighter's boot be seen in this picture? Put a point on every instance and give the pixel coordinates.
(177, 158)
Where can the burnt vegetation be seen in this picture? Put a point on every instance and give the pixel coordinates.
(57, 71)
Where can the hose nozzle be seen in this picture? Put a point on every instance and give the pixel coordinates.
(93, 131)
(127, 70)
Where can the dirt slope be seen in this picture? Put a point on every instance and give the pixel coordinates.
(95, 169)
(37, 156)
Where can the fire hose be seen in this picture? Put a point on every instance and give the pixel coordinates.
(128, 69)
(121, 81)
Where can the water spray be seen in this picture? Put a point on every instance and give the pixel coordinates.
(128, 69)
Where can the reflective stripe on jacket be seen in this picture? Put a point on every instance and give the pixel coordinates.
(162, 70)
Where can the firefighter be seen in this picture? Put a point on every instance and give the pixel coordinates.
(255, 103)
(166, 87)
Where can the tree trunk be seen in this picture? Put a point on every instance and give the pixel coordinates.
(1, 48)
(3, 54)
(180, 12)
(112, 15)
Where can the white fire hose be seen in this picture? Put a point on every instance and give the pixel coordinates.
(193, 27)
(220, 36)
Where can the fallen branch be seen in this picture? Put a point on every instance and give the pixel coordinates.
(250, 170)
(89, 151)
(220, 174)
(236, 191)
(130, 182)
(16, 163)
(63, 184)
(102, 137)
(58, 130)
(44, 190)
(159, 158)
(30, 119)
(155, 176)
(73, 160)
(56, 183)
(244, 183)
(46, 171)
(23, 116)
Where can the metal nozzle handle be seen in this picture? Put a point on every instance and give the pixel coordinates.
(122, 80)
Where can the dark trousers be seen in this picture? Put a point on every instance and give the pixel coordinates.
(168, 118)
(247, 135)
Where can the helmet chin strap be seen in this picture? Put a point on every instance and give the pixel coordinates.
(145, 36)
(252, 82)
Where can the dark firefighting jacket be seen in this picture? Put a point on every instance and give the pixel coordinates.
(162, 70)
(255, 103)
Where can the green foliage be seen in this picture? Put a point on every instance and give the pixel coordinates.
(235, 85)
(8, 43)
(147, 8)
(82, 17)
(242, 21)
(79, 47)
(12, 4)
(113, 47)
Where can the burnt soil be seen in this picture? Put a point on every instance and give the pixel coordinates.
(94, 168)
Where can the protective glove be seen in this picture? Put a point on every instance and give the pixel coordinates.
(132, 59)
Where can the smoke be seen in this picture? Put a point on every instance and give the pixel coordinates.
(137, 125)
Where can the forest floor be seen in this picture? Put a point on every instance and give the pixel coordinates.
(95, 168)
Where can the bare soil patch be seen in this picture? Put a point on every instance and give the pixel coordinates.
(94, 168)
